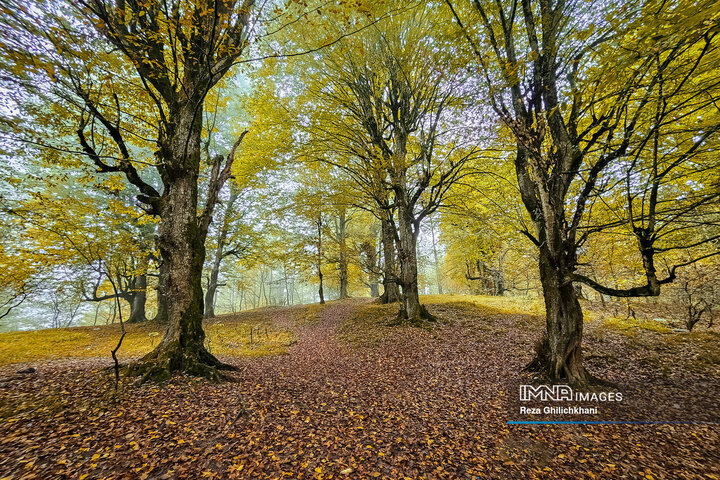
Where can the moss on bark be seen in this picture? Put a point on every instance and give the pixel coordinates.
(159, 365)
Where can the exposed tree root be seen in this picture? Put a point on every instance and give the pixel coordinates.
(556, 370)
(159, 365)
(383, 300)
(424, 316)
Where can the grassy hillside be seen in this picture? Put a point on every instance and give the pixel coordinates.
(245, 334)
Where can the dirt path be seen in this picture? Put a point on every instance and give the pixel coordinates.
(429, 404)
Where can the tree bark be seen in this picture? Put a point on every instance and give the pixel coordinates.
(321, 293)
(137, 299)
(391, 292)
(162, 316)
(559, 353)
(211, 291)
(407, 252)
(181, 241)
(438, 276)
(343, 262)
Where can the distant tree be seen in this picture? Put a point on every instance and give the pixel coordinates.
(392, 137)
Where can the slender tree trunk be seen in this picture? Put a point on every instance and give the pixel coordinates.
(391, 292)
(321, 293)
(219, 254)
(342, 247)
(438, 278)
(162, 316)
(211, 291)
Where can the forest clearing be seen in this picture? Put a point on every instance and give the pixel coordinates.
(398, 239)
(356, 398)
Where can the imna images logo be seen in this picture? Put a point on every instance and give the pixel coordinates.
(564, 393)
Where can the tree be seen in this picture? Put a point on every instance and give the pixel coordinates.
(228, 244)
(178, 51)
(578, 112)
(76, 243)
(392, 138)
(339, 236)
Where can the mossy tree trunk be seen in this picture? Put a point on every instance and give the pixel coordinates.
(181, 241)
(208, 45)
(407, 231)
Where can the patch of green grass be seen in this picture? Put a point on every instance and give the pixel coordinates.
(630, 327)
(228, 335)
(372, 324)
(505, 305)
(256, 339)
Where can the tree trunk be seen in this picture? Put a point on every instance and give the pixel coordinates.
(343, 276)
(320, 288)
(219, 254)
(181, 242)
(343, 261)
(137, 299)
(343, 271)
(438, 276)
(559, 353)
(162, 316)
(321, 293)
(407, 252)
(374, 290)
(391, 292)
(210, 293)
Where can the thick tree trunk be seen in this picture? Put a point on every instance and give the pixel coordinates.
(407, 252)
(181, 242)
(391, 292)
(138, 299)
(559, 353)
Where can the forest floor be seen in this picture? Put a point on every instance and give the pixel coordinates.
(334, 391)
